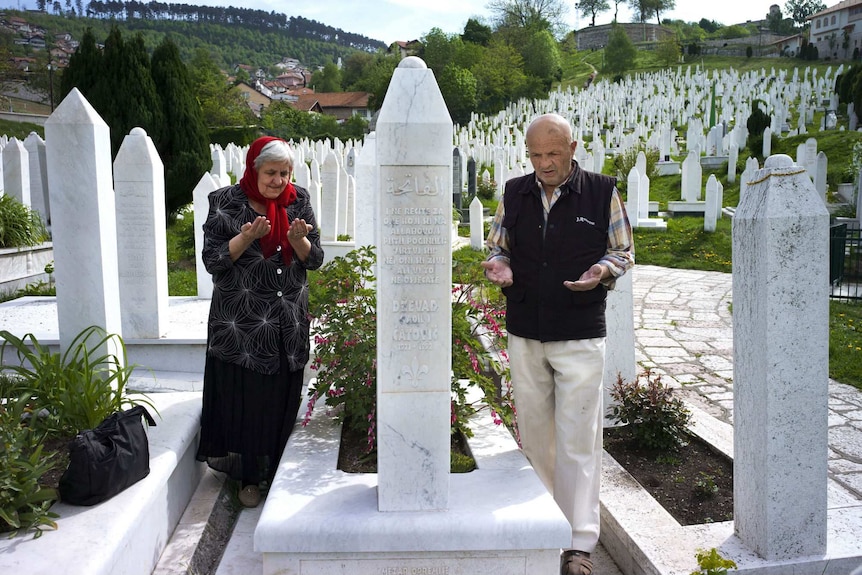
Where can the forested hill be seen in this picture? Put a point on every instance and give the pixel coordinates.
(259, 20)
(229, 35)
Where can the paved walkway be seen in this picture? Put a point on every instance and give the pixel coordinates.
(683, 330)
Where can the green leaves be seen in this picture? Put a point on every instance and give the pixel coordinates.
(19, 225)
(657, 419)
(24, 504)
(342, 301)
(78, 388)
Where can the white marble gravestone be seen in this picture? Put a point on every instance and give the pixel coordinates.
(201, 205)
(16, 171)
(781, 359)
(78, 151)
(35, 146)
(329, 214)
(414, 134)
(139, 186)
(367, 193)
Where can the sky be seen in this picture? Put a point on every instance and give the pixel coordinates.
(391, 20)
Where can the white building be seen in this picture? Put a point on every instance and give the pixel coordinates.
(837, 31)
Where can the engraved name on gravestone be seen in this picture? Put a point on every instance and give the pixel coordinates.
(413, 254)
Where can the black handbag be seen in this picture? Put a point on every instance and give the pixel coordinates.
(106, 460)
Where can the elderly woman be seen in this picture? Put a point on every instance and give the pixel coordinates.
(260, 238)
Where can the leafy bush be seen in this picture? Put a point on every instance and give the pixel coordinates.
(623, 164)
(486, 190)
(24, 504)
(343, 303)
(76, 389)
(657, 419)
(20, 226)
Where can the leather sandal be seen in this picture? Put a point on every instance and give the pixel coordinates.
(574, 562)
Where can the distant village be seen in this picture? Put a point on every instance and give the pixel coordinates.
(292, 85)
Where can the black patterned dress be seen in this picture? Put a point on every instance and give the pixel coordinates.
(257, 341)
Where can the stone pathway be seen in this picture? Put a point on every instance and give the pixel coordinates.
(684, 331)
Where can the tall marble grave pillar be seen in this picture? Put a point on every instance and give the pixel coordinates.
(414, 312)
(329, 214)
(200, 201)
(78, 151)
(16, 171)
(139, 187)
(457, 182)
(35, 146)
(781, 363)
(367, 193)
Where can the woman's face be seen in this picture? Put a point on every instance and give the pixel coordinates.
(272, 177)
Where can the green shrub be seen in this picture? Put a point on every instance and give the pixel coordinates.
(486, 190)
(657, 419)
(77, 389)
(24, 504)
(19, 225)
(623, 164)
(343, 303)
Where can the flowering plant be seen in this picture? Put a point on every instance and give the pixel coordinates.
(343, 305)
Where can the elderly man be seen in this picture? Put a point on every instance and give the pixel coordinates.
(559, 240)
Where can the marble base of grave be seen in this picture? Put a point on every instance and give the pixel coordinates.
(20, 267)
(712, 162)
(318, 520)
(728, 211)
(655, 223)
(653, 207)
(686, 208)
(668, 168)
(636, 530)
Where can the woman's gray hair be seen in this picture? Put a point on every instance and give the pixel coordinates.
(274, 151)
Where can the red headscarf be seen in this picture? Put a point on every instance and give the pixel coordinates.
(276, 211)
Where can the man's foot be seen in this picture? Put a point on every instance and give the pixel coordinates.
(574, 562)
(249, 496)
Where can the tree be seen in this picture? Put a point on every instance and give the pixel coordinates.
(643, 9)
(709, 26)
(800, 10)
(327, 79)
(542, 58)
(668, 50)
(458, 87)
(592, 8)
(660, 6)
(184, 144)
(476, 32)
(499, 75)
(620, 52)
(529, 14)
(617, 8)
(221, 104)
(84, 67)
(438, 49)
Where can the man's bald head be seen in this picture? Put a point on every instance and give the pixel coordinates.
(550, 126)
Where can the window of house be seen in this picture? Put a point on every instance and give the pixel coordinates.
(818, 24)
(833, 19)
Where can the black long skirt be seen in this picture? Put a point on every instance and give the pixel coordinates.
(246, 420)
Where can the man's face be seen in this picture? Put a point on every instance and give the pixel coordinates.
(551, 157)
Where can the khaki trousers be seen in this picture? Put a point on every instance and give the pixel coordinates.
(557, 388)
